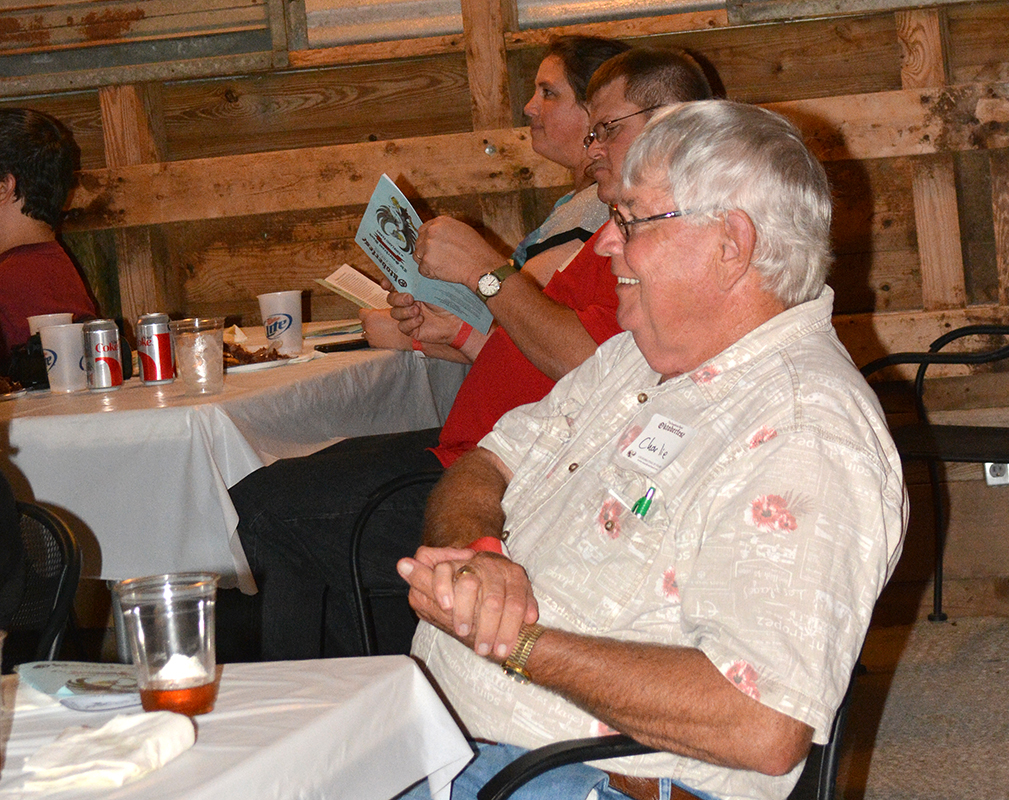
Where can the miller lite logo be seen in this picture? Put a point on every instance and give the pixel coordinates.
(277, 324)
(51, 357)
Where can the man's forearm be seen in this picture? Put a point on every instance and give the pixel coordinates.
(668, 698)
(466, 503)
(549, 334)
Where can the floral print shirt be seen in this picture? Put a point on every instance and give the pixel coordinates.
(777, 513)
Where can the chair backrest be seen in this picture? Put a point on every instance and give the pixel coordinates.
(53, 572)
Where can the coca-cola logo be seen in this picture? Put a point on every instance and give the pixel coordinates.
(107, 347)
(145, 341)
(51, 359)
(276, 324)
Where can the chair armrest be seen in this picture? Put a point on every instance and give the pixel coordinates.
(542, 759)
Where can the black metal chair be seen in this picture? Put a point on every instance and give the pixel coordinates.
(817, 780)
(53, 571)
(362, 594)
(933, 444)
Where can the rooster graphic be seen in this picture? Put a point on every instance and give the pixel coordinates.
(394, 221)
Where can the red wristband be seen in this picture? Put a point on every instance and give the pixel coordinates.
(417, 345)
(462, 337)
(486, 544)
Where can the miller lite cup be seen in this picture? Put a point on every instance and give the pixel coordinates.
(154, 349)
(102, 359)
(281, 312)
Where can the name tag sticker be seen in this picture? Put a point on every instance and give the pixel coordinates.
(655, 447)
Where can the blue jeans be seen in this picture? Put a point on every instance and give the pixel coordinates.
(572, 782)
(295, 519)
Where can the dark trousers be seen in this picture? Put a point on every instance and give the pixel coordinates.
(295, 520)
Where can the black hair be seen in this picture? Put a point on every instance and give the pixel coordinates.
(582, 56)
(41, 154)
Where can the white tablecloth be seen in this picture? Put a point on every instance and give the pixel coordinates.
(357, 728)
(143, 471)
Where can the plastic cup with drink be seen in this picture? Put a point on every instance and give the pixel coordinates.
(63, 349)
(199, 353)
(170, 628)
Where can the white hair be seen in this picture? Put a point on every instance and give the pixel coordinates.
(718, 156)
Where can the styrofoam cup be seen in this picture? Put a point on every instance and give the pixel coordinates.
(282, 320)
(63, 348)
(40, 321)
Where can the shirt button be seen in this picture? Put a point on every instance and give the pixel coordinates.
(505, 535)
(572, 467)
(642, 398)
(608, 525)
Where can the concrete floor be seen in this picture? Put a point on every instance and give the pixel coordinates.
(930, 718)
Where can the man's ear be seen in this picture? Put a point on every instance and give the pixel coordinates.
(738, 240)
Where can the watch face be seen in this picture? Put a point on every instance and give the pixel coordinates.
(488, 285)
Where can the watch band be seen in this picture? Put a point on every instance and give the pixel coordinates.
(515, 665)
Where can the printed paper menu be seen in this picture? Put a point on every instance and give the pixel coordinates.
(388, 234)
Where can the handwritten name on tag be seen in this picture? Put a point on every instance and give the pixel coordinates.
(658, 444)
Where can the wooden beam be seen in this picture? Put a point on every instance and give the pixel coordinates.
(954, 118)
(514, 39)
(484, 23)
(870, 336)
(921, 36)
(132, 124)
(315, 177)
(1000, 216)
(904, 122)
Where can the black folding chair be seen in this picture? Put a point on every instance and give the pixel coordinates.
(933, 444)
(363, 595)
(53, 572)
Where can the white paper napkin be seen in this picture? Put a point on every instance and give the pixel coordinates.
(122, 750)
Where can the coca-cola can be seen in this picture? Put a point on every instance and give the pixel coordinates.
(154, 349)
(102, 359)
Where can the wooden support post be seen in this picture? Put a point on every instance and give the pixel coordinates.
(935, 205)
(485, 23)
(132, 125)
(999, 160)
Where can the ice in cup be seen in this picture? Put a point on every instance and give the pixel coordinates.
(63, 348)
(170, 627)
(199, 353)
(37, 322)
(281, 313)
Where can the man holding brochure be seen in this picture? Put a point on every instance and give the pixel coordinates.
(295, 516)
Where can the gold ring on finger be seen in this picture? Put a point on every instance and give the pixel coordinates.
(465, 569)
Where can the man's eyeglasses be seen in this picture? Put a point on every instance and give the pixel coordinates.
(601, 130)
(626, 225)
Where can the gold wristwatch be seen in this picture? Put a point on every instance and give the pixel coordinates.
(490, 283)
(515, 665)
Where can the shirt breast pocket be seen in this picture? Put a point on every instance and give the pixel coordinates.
(602, 566)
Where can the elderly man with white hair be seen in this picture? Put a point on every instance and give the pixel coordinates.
(699, 519)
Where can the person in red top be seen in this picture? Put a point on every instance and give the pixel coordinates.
(295, 515)
(37, 157)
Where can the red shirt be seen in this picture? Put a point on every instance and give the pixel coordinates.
(501, 378)
(37, 279)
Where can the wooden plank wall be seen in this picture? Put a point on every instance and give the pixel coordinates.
(210, 179)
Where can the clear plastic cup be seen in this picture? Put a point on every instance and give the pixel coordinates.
(199, 353)
(170, 627)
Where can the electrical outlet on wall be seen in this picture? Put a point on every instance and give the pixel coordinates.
(996, 474)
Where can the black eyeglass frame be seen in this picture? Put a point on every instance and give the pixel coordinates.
(601, 130)
(624, 225)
